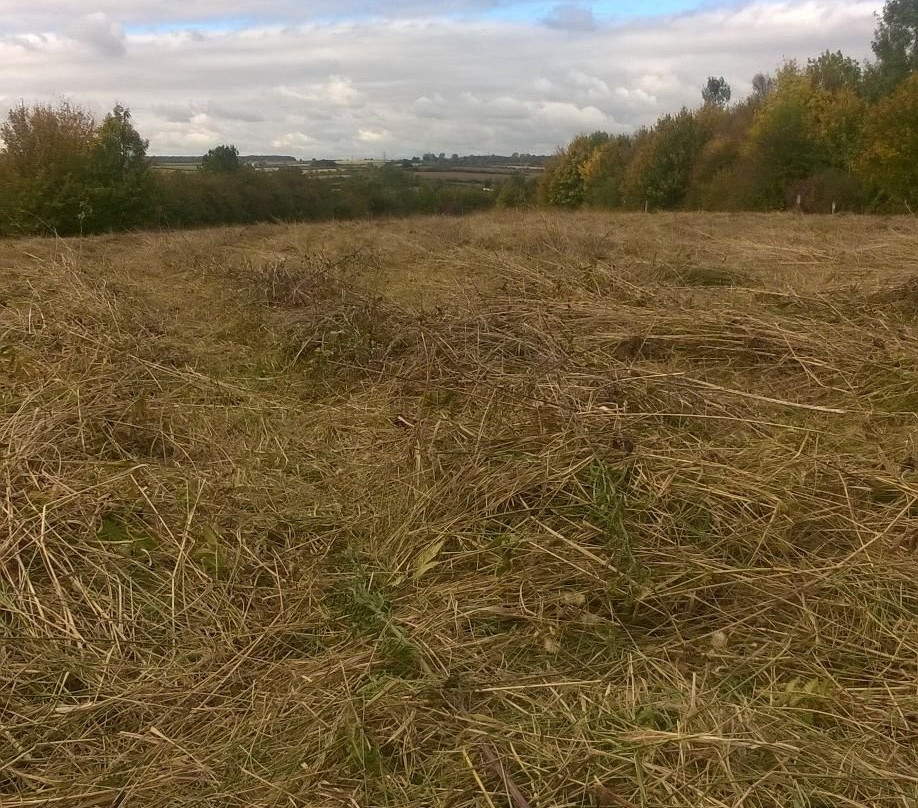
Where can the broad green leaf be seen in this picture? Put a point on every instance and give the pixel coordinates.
(426, 560)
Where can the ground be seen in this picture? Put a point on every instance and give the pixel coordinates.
(523, 509)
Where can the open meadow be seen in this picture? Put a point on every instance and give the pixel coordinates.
(525, 510)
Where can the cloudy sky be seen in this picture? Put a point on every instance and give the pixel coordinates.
(341, 78)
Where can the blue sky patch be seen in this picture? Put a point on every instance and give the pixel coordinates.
(603, 10)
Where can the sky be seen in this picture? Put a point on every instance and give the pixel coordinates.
(397, 78)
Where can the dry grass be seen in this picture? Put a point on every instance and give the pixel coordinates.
(523, 510)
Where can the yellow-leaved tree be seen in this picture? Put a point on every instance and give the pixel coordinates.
(889, 160)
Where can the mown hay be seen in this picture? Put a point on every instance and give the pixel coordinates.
(498, 512)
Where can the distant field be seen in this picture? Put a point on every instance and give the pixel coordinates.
(449, 175)
(176, 166)
(513, 510)
(473, 176)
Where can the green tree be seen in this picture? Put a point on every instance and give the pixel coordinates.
(762, 86)
(515, 192)
(121, 180)
(716, 92)
(44, 167)
(661, 172)
(221, 160)
(834, 72)
(895, 44)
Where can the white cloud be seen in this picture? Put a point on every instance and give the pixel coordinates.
(636, 96)
(336, 90)
(407, 85)
(593, 86)
(293, 140)
(572, 117)
(373, 136)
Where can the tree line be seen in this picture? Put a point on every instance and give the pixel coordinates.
(830, 134)
(62, 172)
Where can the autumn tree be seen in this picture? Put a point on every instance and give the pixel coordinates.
(781, 141)
(836, 124)
(890, 157)
(562, 182)
(604, 172)
(724, 131)
(836, 111)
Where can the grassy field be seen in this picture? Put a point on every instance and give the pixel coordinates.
(527, 510)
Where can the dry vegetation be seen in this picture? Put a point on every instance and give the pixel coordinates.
(526, 510)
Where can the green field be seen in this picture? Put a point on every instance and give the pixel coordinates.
(526, 509)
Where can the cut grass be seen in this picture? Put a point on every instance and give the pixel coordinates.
(509, 510)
